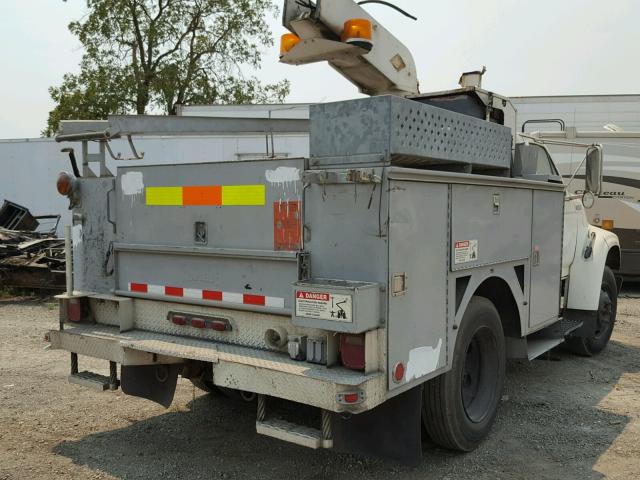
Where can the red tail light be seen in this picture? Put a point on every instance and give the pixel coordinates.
(74, 310)
(218, 325)
(352, 351)
(198, 323)
(351, 397)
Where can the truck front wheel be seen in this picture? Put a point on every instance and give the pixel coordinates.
(460, 406)
(605, 320)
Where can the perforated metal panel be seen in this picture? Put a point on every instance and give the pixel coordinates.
(403, 132)
(421, 131)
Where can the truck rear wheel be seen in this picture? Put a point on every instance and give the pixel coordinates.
(605, 321)
(460, 406)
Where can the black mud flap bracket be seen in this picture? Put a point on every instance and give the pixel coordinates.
(153, 382)
(392, 430)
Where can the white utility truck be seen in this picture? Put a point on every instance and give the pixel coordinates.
(382, 282)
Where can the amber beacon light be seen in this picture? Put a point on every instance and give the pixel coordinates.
(287, 42)
(64, 183)
(359, 32)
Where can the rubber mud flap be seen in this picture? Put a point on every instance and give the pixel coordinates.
(392, 431)
(153, 382)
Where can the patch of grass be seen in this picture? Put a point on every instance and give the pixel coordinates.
(7, 292)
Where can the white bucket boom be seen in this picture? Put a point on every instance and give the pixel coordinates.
(378, 63)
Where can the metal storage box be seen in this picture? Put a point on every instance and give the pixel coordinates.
(337, 305)
(396, 131)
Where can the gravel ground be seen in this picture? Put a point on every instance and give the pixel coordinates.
(572, 418)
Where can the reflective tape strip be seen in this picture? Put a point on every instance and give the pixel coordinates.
(209, 295)
(202, 196)
(207, 196)
(246, 195)
(164, 196)
(274, 302)
(232, 297)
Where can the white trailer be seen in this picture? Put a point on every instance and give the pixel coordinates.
(614, 122)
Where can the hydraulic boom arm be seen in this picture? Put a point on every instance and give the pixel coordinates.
(342, 33)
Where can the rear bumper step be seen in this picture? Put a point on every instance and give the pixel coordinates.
(90, 380)
(241, 368)
(292, 433)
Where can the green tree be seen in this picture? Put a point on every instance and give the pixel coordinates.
(152, 55)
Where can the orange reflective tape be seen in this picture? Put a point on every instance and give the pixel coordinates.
(202, 196)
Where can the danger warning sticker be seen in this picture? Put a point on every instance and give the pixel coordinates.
(465, 251)
(325, 306)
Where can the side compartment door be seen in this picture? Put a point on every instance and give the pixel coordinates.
(418, 239)
(546, 257)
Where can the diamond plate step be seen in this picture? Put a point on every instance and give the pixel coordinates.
(538, 346)
(291, 432)
(90, 380)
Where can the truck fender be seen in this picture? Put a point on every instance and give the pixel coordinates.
(585, 274)
(498, 283)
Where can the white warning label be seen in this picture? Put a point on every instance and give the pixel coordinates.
(465, 251)
(325, 306)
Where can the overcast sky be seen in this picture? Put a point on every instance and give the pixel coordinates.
(542, 47)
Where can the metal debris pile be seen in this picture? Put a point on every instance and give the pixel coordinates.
(30, 254)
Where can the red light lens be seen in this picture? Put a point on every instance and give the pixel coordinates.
(351, 398)
(74, 311)
(198, 323)
(352, 351)
(398, 372)
(179, 320)
(64, 183)
(218, 326)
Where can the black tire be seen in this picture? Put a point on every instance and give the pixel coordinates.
(204, 385)
(460, 406)
(606, 319)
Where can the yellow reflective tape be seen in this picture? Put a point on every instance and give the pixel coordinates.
(243, 195)
(164, 196)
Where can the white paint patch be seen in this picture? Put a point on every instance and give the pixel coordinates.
(423, 361)
(76, 235)
(132, 183)
(283, 175)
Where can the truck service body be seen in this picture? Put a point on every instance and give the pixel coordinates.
(383, 280)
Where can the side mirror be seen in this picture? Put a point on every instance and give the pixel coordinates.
(593, 177)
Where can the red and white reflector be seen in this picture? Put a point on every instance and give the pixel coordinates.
(175, 291)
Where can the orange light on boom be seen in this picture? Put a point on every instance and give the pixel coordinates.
(287, 42)
(358, 31)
